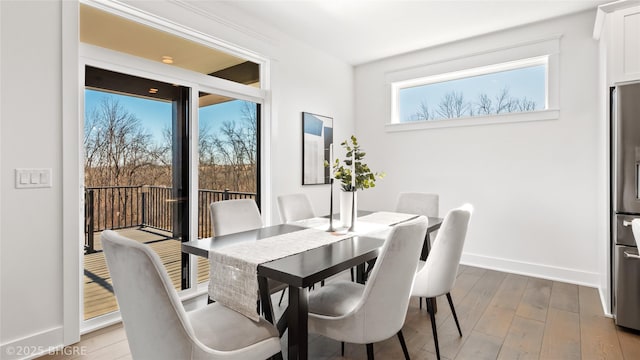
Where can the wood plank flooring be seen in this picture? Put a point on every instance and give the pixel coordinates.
(503, 316)
(98, 292)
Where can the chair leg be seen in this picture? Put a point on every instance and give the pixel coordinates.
(453, 311)
(282, 296)
(432, 315)
(420, 299)
(352, 277)
(369, 351)
(404, 346)
(342, 348)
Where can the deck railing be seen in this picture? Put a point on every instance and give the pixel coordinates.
(119, 207)
(206, 197)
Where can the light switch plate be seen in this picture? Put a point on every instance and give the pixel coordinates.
(33, 178)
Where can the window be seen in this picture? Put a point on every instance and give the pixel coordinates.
(228, 153)
(504, 88)
(512, 84)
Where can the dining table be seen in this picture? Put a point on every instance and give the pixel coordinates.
(302, 270)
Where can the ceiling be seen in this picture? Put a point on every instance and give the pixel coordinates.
(109, 31)
(355, 31)
(116, 33)
(360, 31)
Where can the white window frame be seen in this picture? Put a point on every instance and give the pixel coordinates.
(120, 62)
(544, 51)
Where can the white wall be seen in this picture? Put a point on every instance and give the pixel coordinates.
(302, 79)
(31, 223)
(31, 219)
(534, 184)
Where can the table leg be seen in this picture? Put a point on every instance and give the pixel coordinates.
(426, 247)
(298, 314)
(283, 324)
(361, 273)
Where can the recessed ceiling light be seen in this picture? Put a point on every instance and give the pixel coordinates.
(153, 91)
(167, 59)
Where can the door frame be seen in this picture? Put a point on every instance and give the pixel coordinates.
(75, 57)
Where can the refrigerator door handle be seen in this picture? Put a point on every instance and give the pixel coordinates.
(631, 256)
(637, 180)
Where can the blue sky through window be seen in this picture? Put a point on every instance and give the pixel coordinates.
(527, 82)
(155, 115)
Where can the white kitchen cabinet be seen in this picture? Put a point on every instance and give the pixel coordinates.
(625, 49)
(617, 28)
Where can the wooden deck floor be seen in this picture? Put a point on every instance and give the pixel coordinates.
(98, 292)
(503, 316)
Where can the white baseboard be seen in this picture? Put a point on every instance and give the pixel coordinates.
(571, 276)
(555, 273)
(33, 346)
(607, 313)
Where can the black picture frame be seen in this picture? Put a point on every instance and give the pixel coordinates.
(317, 140)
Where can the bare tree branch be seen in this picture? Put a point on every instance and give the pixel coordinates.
(452, 105)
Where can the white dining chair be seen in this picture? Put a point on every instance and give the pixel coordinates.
(437, 275)
(233, 216)
(294, 207)
(419, 203)
(364, 314)
(158, 327)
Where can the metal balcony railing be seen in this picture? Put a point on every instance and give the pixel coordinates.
(119, 207)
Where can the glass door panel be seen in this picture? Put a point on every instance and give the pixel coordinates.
(228, 151)
(135, 182)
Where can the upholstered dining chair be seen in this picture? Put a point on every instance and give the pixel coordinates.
(419, 203)
(437, 275)
(294, 207)
(158, 327)
(233, 216)
(364, 314)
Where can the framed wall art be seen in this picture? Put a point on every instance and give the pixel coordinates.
(317, 141)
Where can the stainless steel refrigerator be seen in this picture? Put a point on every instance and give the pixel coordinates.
(625, 199)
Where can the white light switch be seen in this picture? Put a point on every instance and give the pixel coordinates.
(45, 177)
(33, 178)
(24, 178)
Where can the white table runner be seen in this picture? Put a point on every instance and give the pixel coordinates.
(385, 217)
(233, 281)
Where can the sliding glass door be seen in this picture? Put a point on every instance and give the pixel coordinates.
(161, 141)
(228, 154)
(137, 172)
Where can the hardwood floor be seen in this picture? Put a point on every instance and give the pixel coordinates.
(503, 316)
